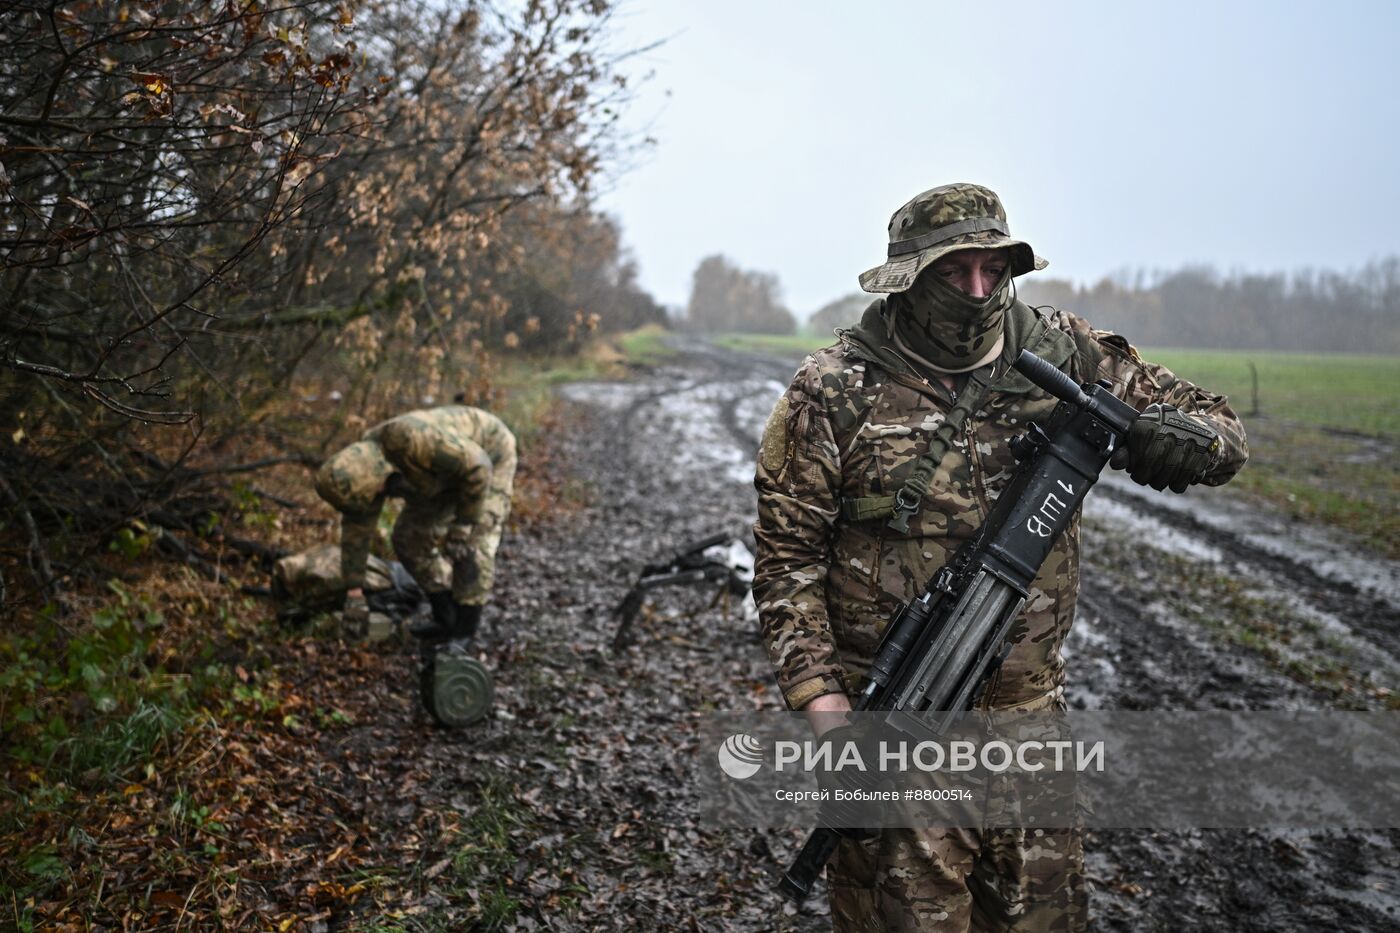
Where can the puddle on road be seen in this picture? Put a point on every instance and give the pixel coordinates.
(694, 418)
(1332, 637)
(690, 419)
(1314, 632)
(1308, 545)
(614, 396)
(1114, 514)
(1095, 680)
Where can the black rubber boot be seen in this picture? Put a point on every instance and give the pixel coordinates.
(444, 623)
(468, 621)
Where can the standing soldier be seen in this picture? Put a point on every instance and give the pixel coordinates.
(854, 518)
(454, 468)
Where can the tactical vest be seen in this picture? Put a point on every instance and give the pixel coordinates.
(1025, 329)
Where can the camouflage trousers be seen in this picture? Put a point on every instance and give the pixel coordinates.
(959, 879)
(423, 524)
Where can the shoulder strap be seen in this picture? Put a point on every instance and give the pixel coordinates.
(904, 504)
(911, 495)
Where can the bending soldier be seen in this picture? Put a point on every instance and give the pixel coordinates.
(854, 520)
(454, 467)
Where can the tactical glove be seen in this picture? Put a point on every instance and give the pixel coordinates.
(354, 617)
(457, 544)
(1166, 448)
(458, 548)
(842, 816)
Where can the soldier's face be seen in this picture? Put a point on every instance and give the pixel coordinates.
(974, 271)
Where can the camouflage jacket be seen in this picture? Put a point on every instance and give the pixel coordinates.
(852, 424)
(446, 455)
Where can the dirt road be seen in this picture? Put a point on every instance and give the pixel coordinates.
(1192, 602)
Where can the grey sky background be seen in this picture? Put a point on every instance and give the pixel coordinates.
(1258, 136)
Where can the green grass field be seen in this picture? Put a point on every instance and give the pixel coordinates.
(1342, 392)
(644, 346)
(1323, 440)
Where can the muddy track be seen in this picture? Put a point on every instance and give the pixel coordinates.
(1371, 612)
(1134, 648)
(738, 372)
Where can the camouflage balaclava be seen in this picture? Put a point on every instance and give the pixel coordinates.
(945, 328)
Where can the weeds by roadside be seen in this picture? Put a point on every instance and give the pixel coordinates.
(645, 346)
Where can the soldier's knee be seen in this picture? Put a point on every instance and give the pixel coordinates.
(903, 880)
(1031, 881)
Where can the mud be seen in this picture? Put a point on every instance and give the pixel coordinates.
(1175, 599)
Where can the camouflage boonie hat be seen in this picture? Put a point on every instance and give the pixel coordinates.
(352, 479)
(938, 222)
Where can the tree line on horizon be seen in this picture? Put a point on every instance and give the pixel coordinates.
(1310, 310)
(1199, 307)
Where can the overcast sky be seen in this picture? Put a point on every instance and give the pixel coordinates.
(1257, 136)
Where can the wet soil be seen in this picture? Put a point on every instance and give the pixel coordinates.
(1193, 604)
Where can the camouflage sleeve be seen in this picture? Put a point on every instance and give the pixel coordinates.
(798, 481)
(357, 530)
(484, 538)
(473, 482)
(466, 469)
(1141, 383)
